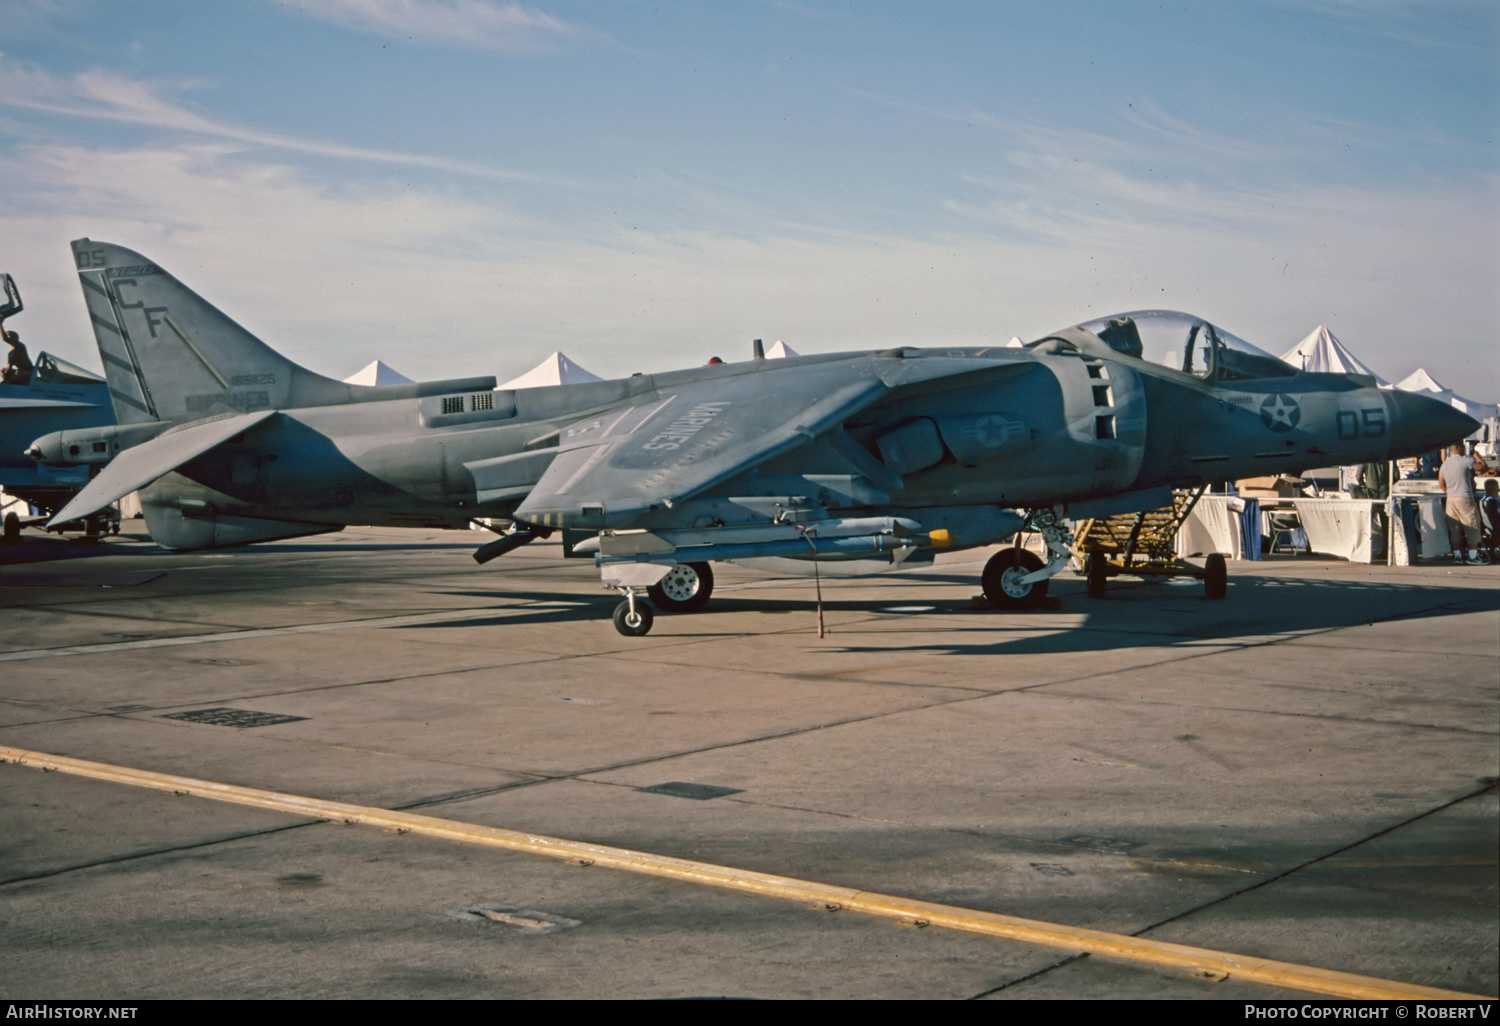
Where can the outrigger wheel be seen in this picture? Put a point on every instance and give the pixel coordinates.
(1001, 576)
(633, 622)
(1215, 577)
(685, 589)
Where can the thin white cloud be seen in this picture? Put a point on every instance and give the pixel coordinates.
(1405, 21)
(1163, 128)
(1147, 135)
(470, 23)
(440, 282)
(1049, 198)
(106, 96)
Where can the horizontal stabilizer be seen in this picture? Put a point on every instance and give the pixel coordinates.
(44, 404)
(509, 477)
(139, 465)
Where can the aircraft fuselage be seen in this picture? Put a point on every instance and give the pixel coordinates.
(1066, 427)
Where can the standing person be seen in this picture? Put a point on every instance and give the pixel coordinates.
(1456, 478)
(1489, 509)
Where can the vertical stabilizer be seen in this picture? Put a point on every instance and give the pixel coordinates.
(170, 355)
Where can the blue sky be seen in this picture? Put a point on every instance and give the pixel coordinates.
(462, 186)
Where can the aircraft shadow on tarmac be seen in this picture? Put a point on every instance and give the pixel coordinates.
(1153, 616)
(1135, 615)
(36, 548)
(335, 546)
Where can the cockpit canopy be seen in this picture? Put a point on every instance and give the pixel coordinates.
(57, 371)
(1183, 342)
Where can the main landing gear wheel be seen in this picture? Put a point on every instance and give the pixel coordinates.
(1098, 575)
(633, 623)
(685, 589)
(1001, 576)
(1215, 577)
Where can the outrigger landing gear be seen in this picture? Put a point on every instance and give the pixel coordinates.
(633, 618)
(1015, 578)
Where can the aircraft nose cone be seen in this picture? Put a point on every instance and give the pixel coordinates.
(1424, 424)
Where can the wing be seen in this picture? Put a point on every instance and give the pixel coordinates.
(141, 464)
(611, 469)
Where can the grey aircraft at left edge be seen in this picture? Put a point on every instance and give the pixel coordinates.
(862, 461)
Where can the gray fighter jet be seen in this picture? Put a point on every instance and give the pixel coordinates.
(861, 461)
(47, 395)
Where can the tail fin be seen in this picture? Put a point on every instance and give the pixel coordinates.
(170, 355)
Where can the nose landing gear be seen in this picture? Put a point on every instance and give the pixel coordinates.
(1015, 578)
(1004, 581)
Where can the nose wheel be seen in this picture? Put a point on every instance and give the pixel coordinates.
(1015, 578)
(1003, 582)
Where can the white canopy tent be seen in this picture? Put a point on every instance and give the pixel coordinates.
(556, 369)
(377, 373)
(781, 351)
(1420, 381)
(1322, 353)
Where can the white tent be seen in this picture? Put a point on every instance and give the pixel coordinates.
(781, 351)
(1015, 343)
(556, 369)
(377, 373)
(1420, 381)
(1322, 353)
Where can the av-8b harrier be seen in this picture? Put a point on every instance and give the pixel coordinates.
(861, 461)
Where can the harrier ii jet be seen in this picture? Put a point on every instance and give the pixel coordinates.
(874, 460)
(48, 395)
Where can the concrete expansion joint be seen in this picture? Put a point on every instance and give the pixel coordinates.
(1270, 880)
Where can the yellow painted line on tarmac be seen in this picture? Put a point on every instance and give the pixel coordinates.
(906, 910)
